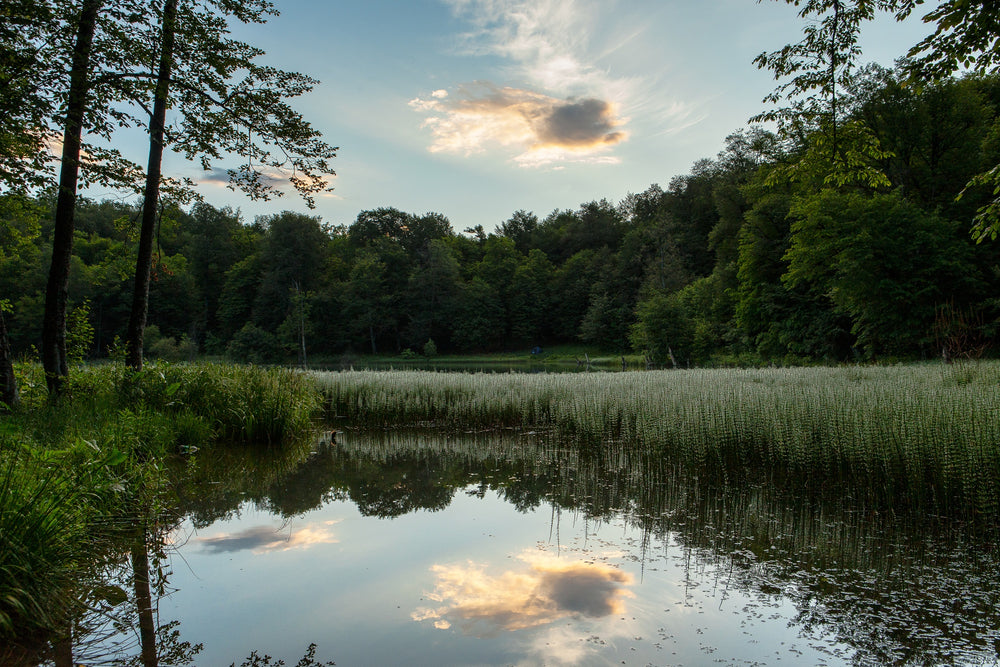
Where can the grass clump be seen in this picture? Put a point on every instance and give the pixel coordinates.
(40, 521)
(922, 437)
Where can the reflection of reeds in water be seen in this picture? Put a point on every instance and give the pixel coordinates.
(898, 590)
(922, 437)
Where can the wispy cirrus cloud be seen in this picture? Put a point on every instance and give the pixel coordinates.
(548, 43)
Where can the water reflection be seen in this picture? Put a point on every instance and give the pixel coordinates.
(546, 590)
(263, 539)
(510, 548)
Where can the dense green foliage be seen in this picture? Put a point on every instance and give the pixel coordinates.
(919, 437)
(771, 251)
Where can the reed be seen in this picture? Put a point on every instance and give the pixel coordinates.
(921, 436)
(40, 525)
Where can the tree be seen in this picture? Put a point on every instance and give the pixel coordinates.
(432, 295)
(9, 397)
(883, 262)
(151, 194)
(54, 324)
(497, 269)
(519, 228)
(215, 240)
(80, 64)
(370, 303)
(819, 65)
(532, 299)
(23, 113)
(220, 113)
(966, 36)
(410, 231)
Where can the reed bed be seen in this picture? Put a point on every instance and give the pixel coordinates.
(922, 436)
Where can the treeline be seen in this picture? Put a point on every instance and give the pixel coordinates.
(769, 252)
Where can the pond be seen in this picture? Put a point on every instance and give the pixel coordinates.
(507, 548)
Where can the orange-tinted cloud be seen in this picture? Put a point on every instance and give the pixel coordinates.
(542, 129)
(547, 590)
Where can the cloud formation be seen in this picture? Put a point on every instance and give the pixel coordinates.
(548, 42)
(560, 106)
(548, 590)
(540, 128)
(264, 539)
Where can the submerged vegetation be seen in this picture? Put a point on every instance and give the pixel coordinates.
(80, 476)
(915, 438)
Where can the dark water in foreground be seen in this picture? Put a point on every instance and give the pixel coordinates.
(486, 549)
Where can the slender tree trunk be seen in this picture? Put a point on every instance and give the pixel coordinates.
(144, 600)
(9, 398)
(62, 652)
(140, 293)
(56, 291)
(302, 322)
(833, 77)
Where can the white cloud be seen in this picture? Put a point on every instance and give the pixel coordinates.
(542, 130)
(560, 68)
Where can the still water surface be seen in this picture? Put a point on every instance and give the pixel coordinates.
(504, 549)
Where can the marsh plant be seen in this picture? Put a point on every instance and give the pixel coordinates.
(923, 437)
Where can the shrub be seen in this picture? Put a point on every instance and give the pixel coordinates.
(255, 345)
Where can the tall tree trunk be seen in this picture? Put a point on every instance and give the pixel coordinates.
(143, 599)
(9, 398)
(62, 651)
(57, 289)
(140, 293)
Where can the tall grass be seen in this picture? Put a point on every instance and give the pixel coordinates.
(921, 436)
(39, 524)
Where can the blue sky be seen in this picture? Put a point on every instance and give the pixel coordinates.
(478, 108)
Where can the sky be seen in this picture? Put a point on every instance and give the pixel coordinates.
(478, 108)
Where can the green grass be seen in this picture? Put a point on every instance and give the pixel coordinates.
(922, 437)
(561, 356)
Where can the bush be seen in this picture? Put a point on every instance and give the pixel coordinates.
(168, 349)
(253, 344)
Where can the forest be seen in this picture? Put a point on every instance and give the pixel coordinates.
(763, 254)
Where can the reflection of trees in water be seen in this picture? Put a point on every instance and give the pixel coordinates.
(898, 589)
(116, 620)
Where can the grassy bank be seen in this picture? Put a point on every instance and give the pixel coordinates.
(74, 473)
(920, 437)
(561, 357)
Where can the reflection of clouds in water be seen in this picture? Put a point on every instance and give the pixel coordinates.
(264, 539)
(550, 589)
(560, 646)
